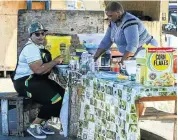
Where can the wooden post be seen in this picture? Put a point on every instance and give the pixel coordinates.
(20, 117)
(175, 123)
(137, 109)
(175, 130)
(26, 115)
(5, 119)
(141, 108)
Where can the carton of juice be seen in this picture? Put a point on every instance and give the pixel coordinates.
(157, 67)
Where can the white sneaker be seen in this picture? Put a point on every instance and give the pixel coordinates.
(61, 132)
(55, 123)
(45, 128)
(36, 131)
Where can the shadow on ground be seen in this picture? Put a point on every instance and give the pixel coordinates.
(12, 125)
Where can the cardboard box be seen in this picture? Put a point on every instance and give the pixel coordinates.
(157, 68)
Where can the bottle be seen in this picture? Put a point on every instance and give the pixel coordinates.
(140, 74)
(132, 77)
(83, 62)
(77, 65)
(63, 51)
(138, 78)
(91, 63)
(116, 67)
(97, 65)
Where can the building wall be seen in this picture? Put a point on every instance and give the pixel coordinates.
(58, 5)
(8, 31)
(149, 8)
(9, 12)
(154, 28)
(60, 22)
(164, 11)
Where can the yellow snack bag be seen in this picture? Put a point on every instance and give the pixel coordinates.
(54, 44)
(122, 77)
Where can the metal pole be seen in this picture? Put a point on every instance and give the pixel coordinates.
(29, 4)
(47, 5)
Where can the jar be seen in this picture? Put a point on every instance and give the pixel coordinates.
(62, 49)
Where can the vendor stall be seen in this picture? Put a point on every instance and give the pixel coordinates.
(102, 104)
(105, 108)
(97, 105)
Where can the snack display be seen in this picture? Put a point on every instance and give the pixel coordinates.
(166, 79)
(157, 68)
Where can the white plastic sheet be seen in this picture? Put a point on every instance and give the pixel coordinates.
(64, 113)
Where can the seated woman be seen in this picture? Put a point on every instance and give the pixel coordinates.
(30, 79)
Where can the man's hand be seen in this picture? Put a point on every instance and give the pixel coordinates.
(120, 62)
(126, 56)
(98, 53)
(95, 58)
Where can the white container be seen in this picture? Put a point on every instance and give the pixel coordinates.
(72, 64)
(130, 66)
(138, 70)
(91, 64)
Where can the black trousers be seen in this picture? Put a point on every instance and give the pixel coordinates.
(43, 91)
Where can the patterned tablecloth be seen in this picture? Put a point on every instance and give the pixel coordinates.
(105, 110)
(108, 111)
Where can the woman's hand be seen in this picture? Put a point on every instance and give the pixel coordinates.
(59, 60)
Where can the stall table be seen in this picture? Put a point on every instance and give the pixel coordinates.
(105, 109)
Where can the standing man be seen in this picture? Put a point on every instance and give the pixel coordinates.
(126, 31)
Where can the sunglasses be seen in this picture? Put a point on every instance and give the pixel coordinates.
(38, 34)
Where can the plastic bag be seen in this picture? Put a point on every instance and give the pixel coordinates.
(64, 113)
